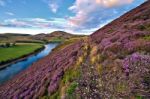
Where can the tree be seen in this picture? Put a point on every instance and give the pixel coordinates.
(7, 44)
(14, 43)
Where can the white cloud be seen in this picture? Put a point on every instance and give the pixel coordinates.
(112, 3)
(35, 30)
(38, 25)
(53, 7)
(85, 9)
(9, 13)
(24, 30)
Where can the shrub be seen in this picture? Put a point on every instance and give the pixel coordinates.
(141, 27)
(139, 97)
(146, 37)
(111, 31)
(13, 44)
(135, 60)
(144, 27)
(55, 96)
(70, 75)
(102, 57)
(147, 81)
(7, 44)
(72, 88)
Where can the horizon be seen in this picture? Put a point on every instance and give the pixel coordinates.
(73, 16)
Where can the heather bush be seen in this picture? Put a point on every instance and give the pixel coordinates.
(106, 42)
(144, 27)
(115, 47)
(135, 60)
(141, 27)
(146, 81)
(136, 46)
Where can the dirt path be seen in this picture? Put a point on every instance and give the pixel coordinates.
(88, 82)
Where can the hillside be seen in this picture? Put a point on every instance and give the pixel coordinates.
(112, 63)
(54, 36)
(13, 37)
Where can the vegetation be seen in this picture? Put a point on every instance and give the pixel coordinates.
(144, 27)
(30, 41)
(18, 51)
(57, 39)
(147, 37)
(72, 88)
(67, 42)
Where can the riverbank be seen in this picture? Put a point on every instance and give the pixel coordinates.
(4, 64)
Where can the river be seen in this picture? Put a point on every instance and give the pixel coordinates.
(13, 69)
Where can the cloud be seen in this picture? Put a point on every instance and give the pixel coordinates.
(84, 16)
(15, 23)
(53, 7)
(38, 25)
(59, 23)
(113, 3)
(89, 11)
(9, 13)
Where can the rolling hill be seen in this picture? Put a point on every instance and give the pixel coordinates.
(56, 36)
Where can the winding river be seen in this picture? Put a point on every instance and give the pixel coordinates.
(14, 69)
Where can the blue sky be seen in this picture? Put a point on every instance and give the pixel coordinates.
(74, 16)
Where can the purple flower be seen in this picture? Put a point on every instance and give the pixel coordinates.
(135, 60)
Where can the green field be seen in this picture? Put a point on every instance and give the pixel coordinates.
(18, 51)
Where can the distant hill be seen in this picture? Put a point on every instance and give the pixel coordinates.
(56, 35)
(12, 37)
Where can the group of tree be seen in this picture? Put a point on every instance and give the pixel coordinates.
(7, 44)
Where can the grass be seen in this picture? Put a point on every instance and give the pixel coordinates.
(30, 41)
(70, 75)
(68, 42)
(146, 37)
(139, 97)
(55, 96)
(72, 88)
(55, 40)
(18, 51)
(121, 87)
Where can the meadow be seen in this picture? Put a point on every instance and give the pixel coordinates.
(17, 51)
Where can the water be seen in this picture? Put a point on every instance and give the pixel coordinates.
(12, 70)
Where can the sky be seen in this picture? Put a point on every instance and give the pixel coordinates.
(73, 16)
